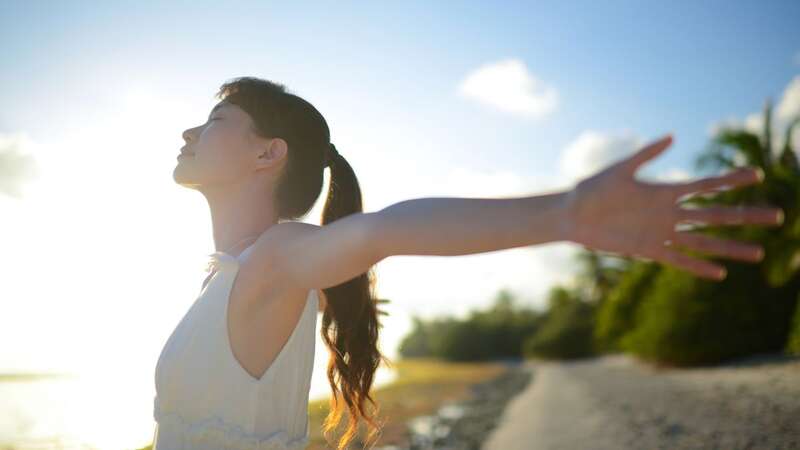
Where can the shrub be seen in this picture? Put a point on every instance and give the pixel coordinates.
(616, 314)
(691, 321)
(496, 332)
(793, 343)
(567, 329)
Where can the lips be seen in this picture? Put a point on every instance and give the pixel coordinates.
(184, 155)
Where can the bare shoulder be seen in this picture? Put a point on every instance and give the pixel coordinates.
(260, 274)
(294, 230)
(288, 229)
(275, 241)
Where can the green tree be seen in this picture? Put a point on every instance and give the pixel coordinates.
(687, 321)
(733, 147)
(616, 316)
(793, 343)
(567, 329)
(495, 332)
(417, 342)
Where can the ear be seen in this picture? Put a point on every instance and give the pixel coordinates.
(272, 152)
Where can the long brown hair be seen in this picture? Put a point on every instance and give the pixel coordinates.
(350, 320)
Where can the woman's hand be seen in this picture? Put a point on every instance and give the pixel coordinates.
(612, 211)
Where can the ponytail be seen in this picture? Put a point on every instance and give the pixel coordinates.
(350, 321)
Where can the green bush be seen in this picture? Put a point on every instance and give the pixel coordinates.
(690, 321)
(567, 329)
(496, 332)
(465, 341)
(417, 342)
(793, 344)
(616, 314)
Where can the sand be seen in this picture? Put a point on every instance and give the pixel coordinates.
(617, 402)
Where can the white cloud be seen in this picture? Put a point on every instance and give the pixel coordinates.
(508, 86)
(789, 106)
(17, 163)
(594, 150)
(786, 109)
(716, 126)
(674, 174)
(754, 122)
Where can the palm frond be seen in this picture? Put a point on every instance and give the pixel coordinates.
(767, 133)
(746, 144)
(714, 158)
(788, 158)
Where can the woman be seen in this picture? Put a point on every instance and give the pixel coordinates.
(236, 371)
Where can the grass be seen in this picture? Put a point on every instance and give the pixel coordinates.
(422, 385)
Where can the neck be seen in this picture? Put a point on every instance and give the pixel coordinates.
(238, 216)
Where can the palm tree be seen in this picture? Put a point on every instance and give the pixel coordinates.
(733, 147)
(666, 315)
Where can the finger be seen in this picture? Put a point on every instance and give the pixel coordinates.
(720, 247)
(695, 266)
(732, 215)
(647, 153)
(741, 177)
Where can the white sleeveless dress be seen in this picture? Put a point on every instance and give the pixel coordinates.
(206, 400)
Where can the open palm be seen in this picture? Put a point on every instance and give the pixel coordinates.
(612, 211)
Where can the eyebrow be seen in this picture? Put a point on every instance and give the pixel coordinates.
(218, 106)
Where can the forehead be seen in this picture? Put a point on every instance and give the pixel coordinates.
(233, 113)
(230, 109)
(223, 105)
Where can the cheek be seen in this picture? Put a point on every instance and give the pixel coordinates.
(220, 153)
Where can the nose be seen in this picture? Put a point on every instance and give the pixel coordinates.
(188, 135)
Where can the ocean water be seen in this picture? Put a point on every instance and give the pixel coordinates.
(108, 411)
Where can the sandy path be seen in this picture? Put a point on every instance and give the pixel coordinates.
(616, 402)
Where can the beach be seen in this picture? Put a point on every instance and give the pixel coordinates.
(618, 402)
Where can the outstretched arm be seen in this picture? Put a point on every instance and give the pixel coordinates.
(450, 226)
(308, 256)
(610, 211)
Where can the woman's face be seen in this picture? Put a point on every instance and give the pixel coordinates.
(221, 151)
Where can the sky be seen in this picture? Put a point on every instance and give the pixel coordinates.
(104, 252)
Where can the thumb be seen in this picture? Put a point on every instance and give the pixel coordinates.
(648, 152)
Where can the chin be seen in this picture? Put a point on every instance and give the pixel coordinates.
(181, 178)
